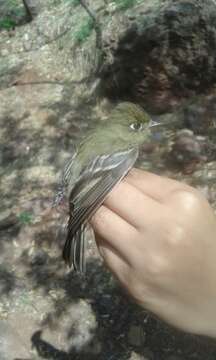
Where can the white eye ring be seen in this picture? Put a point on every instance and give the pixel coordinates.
(136, 126)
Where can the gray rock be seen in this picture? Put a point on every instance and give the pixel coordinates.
(136, 356)
(174, 357)
(148, 354)
(11, 343)
(158, 57)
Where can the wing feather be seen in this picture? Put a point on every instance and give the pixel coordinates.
(95, 183)
(65, 176)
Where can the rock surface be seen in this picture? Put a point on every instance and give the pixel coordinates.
(157, 53)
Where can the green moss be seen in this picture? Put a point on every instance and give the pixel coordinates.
(84, 31)
(72, 2)
(75, 2)
(125, 4)
(25, 218)
(7, 23)
(12, 13)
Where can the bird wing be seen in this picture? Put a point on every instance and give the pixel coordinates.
(65, 177)
(95, 183)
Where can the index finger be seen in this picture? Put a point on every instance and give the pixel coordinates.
(155, 186)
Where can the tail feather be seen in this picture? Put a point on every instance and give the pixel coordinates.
(74, 250)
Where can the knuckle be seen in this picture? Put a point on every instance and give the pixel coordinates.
(176, 234)
(188, 199)
(156, 266)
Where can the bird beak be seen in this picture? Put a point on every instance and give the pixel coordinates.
(153, 123)
(163, 124)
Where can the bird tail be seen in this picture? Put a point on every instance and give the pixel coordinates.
(74, 249)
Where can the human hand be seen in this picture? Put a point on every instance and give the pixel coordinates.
(158, 237)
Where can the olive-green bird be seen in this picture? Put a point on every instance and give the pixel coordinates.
(100, 162)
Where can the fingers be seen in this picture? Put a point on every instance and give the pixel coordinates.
(132, 205)
(115, 231)
(118, 266)
(152, 185)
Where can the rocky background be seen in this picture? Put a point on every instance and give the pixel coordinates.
(61, 70)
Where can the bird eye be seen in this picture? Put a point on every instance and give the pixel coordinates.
(136, 126)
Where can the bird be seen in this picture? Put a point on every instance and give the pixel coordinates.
(101, 161)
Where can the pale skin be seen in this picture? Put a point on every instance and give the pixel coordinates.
(158, 237)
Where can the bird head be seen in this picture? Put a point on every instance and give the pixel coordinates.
(131, 115)
(133, 118)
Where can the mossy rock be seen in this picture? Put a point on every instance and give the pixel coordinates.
(12, 13)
